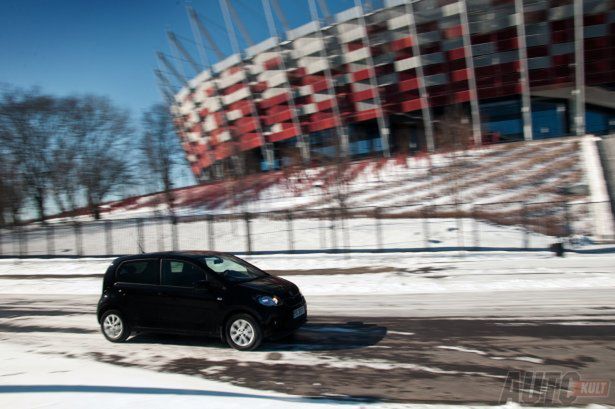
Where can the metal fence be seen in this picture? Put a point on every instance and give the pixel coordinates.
(416, 227)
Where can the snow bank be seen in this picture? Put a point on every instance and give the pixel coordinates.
(396, 274)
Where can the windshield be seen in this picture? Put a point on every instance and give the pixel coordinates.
(232, 268)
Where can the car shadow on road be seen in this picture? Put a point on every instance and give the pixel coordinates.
(310, 337)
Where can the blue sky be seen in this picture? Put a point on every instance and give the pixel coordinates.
(108, 47)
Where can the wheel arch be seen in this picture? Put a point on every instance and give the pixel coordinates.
(239, 309)
(110, 307)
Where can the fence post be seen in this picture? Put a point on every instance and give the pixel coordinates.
(16, 239)
(174, 232)
(108, 237)
(291, 238)
(459, 222)
(425, 227)
(3, 233)
(475, 229)
(378, 225)
(568, 230)
(332, 227)
(24, 242)
(526, 232)
(343, 216)
(78, 238)
(322, 232)
(50, 236)
(210, 232)
(140, 244)
(246, 217)
(160, 233)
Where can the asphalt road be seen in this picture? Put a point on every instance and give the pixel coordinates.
(436, 348)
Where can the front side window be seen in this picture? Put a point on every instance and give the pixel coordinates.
(181, 273)
(232, 268)
(138, 271)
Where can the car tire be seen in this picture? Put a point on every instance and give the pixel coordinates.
(114, 326)
(243, 332)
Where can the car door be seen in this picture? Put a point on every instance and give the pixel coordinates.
(184, 305)
(137, 284)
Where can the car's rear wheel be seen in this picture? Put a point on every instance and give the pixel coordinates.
(114, 327)
(243, 332)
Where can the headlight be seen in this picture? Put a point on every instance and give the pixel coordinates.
(268, 301)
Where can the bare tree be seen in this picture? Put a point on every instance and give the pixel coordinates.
(73, 150)
(101, 134)
(28, 123)
(11, 191)
(161, 150)
(64, 176)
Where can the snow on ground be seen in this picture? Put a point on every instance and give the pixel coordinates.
(520, 289)
(394, 273)
(473, 176)
(31, 380)
(273, 235)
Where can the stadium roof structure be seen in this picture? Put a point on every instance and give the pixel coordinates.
(383, 80)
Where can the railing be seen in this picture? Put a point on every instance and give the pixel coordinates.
(493, 226)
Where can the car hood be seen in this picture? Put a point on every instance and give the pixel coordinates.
(272, 285)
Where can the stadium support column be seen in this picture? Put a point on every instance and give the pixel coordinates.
(164, 86)
(340, 127)
(194, 25)
(278, 11)
(383, 123)
(425, 108)
(178, 76)
(469, 56)
(197, 32)
(178, 46)
(198, 24)
(579, 70)
(266, 148)
(524, 80)
(302, 139)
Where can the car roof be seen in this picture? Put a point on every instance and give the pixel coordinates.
(185, 254)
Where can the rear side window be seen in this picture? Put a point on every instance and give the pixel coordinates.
(181, 273)
(139, 271)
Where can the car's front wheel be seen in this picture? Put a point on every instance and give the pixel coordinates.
(243, 332)
(114, 327)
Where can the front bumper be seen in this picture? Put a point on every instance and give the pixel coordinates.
(281, 322)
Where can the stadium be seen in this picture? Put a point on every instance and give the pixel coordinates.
(386, 80)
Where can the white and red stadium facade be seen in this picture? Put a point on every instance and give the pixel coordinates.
(378, 82)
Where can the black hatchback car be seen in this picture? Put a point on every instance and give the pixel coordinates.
(198, 292)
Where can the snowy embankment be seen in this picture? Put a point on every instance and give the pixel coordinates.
(324, 274)
(515, 172)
